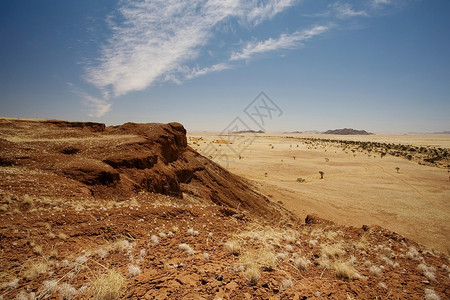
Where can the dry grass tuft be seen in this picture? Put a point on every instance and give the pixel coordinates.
(185, 247)
(344, 270)
(67, 291)
(133, 271)
(108, 286)
(286, 284)
(233, 247)
(37, 249)
(334, 250)
(36, 269)
(252, 275)
(374, 270)
(302, 263)
(121, 245)
(431, 295)
(268, 260)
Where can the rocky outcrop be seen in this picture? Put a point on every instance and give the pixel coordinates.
(118, 162)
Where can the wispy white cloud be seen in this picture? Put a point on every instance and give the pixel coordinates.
(157, 37)
(381, 2)
(196, 72)
(260, 11)
(97, 107)
(284, 41)
(345, 10)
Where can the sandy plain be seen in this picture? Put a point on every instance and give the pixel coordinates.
(358, 188)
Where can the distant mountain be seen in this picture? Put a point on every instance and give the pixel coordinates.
(347, 131)
(249, 131)
(307, 132)
(442, 132)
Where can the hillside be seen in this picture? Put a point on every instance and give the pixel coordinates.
(347, 131)
(133, 212)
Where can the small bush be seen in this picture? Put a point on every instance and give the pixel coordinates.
(185, 247)
(50, 286)
(193, 232)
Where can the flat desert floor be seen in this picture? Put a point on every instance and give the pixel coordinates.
(358, 188)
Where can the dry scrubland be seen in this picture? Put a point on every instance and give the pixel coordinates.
(133, 212)
(361, 184)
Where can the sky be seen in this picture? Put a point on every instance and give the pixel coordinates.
(378, 65)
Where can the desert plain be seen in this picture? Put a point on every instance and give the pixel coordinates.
(359, 187)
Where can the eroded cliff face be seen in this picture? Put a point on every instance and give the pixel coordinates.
(90, 160)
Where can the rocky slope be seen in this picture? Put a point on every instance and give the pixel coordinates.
(92, 161)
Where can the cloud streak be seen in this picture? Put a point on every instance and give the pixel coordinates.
(284, 41)
(345, 10)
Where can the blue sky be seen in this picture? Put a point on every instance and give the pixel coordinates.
(379, 65)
